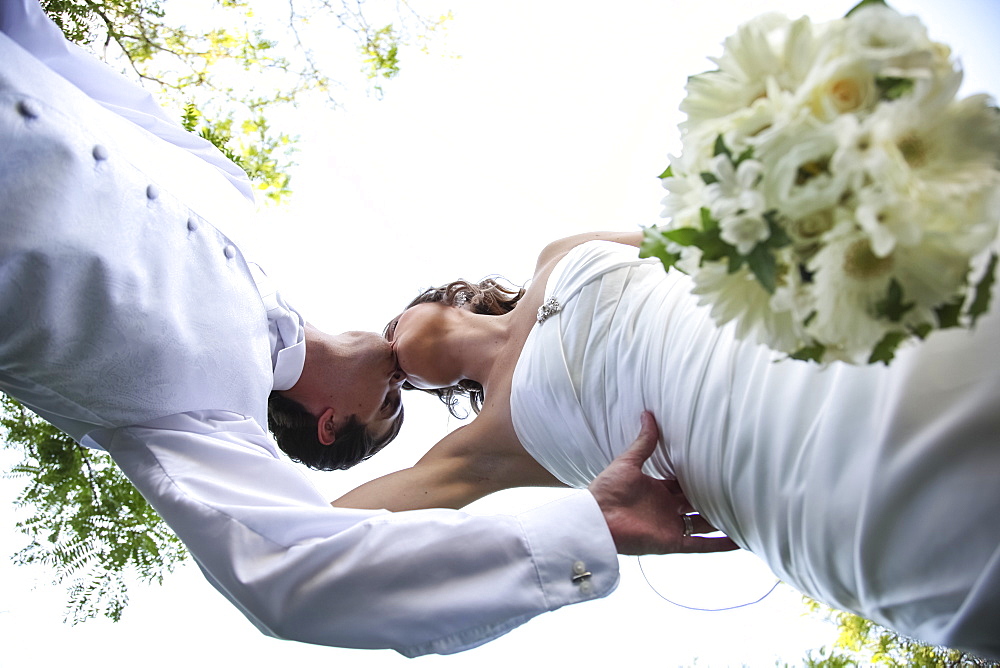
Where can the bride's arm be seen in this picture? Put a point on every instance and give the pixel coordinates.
(437, 484)
(464, 466)
(557, 249)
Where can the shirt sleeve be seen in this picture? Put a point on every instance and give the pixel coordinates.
(419, 582)
(26, 24)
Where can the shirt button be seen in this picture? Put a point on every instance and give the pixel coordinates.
(28, 108)
(586, 588)
(152, 192)
(192, 224)
(99, 153)
(579, 568)
(230, 251)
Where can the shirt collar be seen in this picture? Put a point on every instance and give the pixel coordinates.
(286, 330)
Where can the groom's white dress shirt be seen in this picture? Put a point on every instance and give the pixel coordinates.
(132, 323)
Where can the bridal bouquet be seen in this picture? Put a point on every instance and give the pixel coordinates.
(833, 195)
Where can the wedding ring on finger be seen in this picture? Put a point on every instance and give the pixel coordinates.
(688, 525)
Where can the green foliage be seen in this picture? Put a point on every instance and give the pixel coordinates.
(763, 265)
(865, 3)
(893, 88)
(238, 71)
(257, 157)
(885, 349)
(948, 314)
(720, 148)
(893, 307)
(654, 244)
(861, 642)
(813, 353)
(981, 301)
(88, 523)
(381, 54)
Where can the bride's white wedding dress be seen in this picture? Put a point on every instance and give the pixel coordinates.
(875, 489)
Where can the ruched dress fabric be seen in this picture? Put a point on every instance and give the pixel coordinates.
(874, 489)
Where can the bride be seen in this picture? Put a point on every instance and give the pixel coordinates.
(874, 489)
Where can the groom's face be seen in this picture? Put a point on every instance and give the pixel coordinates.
(367, 385)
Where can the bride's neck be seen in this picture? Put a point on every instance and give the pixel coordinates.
(479, 343)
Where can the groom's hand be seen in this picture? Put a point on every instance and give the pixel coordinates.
(646, 515)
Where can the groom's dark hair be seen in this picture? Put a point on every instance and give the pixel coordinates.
(294, 429)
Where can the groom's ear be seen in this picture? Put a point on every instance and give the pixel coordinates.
(326, 432)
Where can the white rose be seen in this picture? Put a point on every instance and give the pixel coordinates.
(798, 180)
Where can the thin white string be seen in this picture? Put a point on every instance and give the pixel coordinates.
(688, 607)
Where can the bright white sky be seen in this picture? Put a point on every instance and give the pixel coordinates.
(554, 120)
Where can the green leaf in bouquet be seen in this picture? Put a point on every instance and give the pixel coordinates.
(813, 353)
(885, 349)
(653, 245)
(708, 223)
(893, 307)
(984, 288)
(747, 154)
(667, 173)
(713, 248)
(735, 262)
(865, 3)
(778, 237)
(720, 148)
(764, 267)
(810, 170)
(684, 236)
(922, 330)
(709, 178)
(948, 313)
(893, 88)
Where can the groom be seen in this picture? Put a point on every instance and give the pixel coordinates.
(132, 323)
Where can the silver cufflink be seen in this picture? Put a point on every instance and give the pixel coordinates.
(581, 578)
(580, 572)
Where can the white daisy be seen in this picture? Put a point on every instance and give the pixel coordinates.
(768, 48)
(848, 282)
(738, 296)
(930, 274)
(684, 200)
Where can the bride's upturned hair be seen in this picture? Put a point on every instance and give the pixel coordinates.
(487, 297)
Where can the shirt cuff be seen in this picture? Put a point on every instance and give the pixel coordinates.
(572, 548)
